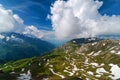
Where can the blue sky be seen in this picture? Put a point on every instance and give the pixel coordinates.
(110, 7)
(34, 12)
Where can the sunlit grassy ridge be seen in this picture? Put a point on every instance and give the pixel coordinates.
(71, 61)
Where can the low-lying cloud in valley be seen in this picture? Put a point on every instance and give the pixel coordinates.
(80, 18)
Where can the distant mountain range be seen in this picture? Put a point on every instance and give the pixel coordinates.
(14, 46)
(78, 59)
(109, 37)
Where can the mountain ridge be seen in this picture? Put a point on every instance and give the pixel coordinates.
(96, 60)
(14, 44)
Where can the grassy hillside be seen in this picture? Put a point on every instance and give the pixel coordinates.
(96, 60)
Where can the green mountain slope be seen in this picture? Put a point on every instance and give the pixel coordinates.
(91, 60)
(14, 46)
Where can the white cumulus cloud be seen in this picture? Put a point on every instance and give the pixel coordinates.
(80, 18)
(9, 21)
(33, 31)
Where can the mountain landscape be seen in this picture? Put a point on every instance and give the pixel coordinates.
(78, 59)
(14, 46)
(59, 39)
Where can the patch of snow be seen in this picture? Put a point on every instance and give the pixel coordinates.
(113, 51)
(101, 70)
(92, 39)
(39, 64)
(118, 52)
(89, 72)
(74, 41)
(23, 69)
(29, 64)
(25, 76)
(63, 64)
(94, 43)
(56, 73)
(12, 36)
(44, 59)
(86, 61)
(70, 73)
(102, 64)
(115, 70)
(75, 67)
(48, 60)
(91, 53)
(97, 53)
(112, 48)
(94, 64)
(66, 51)
(7, 38)
(104, 44)
(67, 67)
(12, 72)
(2, 37)
(66, 58)
(98, 75)
(117, 48)
(82, 69)
(87, 79)
(45, 79)
(47, 63)
(77, 74)
(50, 65)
